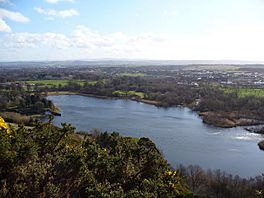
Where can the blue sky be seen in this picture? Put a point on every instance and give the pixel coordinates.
(134, 29)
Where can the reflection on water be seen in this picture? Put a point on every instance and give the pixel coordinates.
(178, 132)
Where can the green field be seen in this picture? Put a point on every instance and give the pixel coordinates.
(51, 83)
(234, 71)
(132, 74)
(129, 93)
(245, 92)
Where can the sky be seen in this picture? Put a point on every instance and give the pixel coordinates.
(32, 30)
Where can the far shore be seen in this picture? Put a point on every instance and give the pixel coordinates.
(211, 118)
(57, 93)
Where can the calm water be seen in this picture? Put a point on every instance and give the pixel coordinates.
(178, 132)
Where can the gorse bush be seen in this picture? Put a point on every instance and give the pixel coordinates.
(48, 161)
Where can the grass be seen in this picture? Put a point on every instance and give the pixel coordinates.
(50, 93)
(132, 74)
(129, 93)
(51, 83)
(233, 71)
(245, 92)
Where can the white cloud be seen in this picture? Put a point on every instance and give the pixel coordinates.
(15, 16)
(221, 42)
(84, 41)
(57, 1)
(32, 40)
(57, 13)
(4, 27)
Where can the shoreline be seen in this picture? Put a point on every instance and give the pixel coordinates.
(217, 119)
(150, 102)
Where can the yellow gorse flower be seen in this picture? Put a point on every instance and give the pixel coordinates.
(69, 147)
(171, 173)
(259, 193)
(3, 125)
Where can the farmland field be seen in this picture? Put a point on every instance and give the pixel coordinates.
(51, 83)
(243, 92)
(131, 93)
(132, 74)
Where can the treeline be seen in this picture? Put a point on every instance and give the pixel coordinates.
(165, 90)
(219, 184)
(216, 100)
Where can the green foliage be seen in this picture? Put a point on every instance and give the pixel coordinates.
(136, 74)
(120, 93)
(62, 83)
(21, 107)
(47, 161)
(241, 103)
(243, 92)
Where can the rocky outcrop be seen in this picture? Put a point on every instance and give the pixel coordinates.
(55, 111)
(216, 120)
(227, 120)
(258, 129)
(261, 145)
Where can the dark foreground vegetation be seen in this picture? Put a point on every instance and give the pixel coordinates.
(47, 161)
